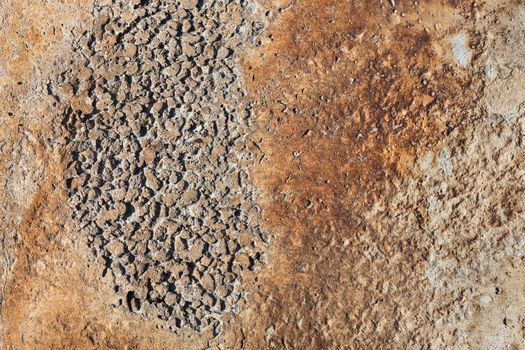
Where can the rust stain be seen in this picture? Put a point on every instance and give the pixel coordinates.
(39, 229)
(349, 92)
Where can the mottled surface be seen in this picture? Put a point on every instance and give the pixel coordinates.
(372, 161)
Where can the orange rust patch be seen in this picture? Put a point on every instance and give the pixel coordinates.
(349, 91)
(347, 103)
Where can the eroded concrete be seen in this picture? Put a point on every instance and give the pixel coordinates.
(384, 147)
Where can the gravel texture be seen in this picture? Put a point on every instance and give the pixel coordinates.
(158, 135)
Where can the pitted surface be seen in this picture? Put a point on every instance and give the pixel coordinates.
(158, 132)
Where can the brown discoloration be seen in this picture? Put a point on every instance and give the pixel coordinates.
(350, 93)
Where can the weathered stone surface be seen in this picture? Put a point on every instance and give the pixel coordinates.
(262, 174)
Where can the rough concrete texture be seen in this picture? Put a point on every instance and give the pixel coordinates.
(263, 174)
